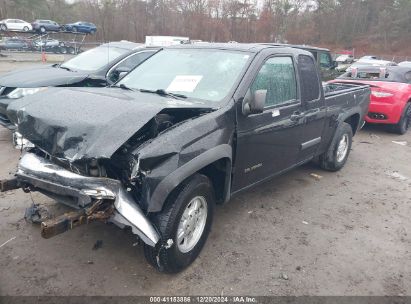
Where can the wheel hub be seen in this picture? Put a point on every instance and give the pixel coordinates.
(342, 148)
(192, 224)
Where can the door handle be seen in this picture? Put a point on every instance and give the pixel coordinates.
(297, 115)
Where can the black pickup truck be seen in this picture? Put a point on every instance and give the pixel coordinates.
(190, 127)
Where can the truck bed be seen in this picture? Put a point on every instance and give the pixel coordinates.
(336, 88)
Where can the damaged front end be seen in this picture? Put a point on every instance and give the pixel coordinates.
(96, 198)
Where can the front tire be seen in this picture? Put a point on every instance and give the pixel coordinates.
(26, 29)
(337, 154)
(184, 225)
(405, 121)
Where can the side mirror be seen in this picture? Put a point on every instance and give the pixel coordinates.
(254, 103)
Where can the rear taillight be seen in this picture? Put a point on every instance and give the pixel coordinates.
(381, 94)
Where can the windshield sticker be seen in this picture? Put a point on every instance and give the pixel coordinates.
(184, 83)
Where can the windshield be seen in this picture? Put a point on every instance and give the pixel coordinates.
(94, 59)
(200, 74)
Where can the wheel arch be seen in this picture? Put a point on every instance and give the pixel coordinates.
(215, 163)
(354, 122)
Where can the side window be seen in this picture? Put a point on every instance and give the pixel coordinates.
(277, 77)
(132, 61)
(309, 80)
(315, 54)
(325, 60)
(127, 65)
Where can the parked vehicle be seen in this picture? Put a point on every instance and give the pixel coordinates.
(375, 63)
(323, 58)
(369, 57)
(97, 67)
(345, 59)
(405, 64)
(156, 152)
(49, 44)
(14, 44)
(46, 26)
(15, 25)
(81, 27)
(390, 94)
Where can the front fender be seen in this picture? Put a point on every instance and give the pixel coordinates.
(171, 181)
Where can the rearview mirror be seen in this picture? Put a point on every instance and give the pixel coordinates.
(254, 103)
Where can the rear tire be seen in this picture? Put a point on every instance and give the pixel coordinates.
(337, 154)
(3, 27)
(405, 121)
(42, 29)
(186, 220)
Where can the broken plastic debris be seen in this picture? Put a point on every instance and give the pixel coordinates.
(398, 176)
(98, 244)
(401, 143)
(316, 176)
(7, 241)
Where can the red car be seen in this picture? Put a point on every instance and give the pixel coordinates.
(390, 94)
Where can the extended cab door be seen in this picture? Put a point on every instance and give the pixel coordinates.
(313, 105)
(269, 142)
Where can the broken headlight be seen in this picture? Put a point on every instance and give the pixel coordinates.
(21, 92)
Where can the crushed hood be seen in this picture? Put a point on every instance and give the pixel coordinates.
(46, 76)
(80, 123)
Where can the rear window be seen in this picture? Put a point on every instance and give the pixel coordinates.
(309, 80)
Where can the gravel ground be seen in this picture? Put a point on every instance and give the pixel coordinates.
(347, 233)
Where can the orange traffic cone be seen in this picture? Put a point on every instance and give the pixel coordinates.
(43, 57)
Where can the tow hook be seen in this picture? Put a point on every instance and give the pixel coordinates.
(101, 210)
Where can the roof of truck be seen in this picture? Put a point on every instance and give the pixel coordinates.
(298, 46)
(249, 47)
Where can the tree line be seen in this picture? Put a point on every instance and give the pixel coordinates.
(372, 25)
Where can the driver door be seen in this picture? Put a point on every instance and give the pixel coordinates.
(269, 142)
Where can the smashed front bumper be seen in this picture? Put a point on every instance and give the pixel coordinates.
(40, 174)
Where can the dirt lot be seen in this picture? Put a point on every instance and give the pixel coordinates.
(347, 233)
